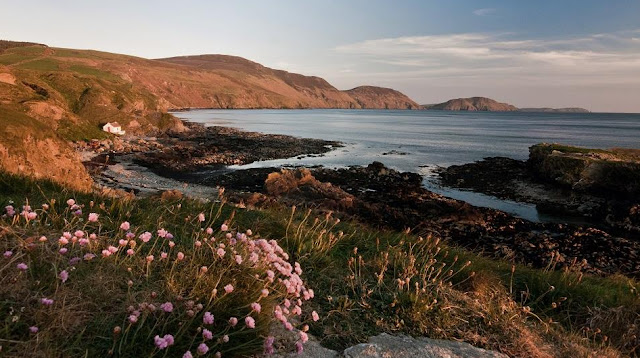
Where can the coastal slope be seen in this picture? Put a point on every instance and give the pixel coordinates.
(66, 95)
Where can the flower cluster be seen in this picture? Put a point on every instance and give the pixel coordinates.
(251, 277)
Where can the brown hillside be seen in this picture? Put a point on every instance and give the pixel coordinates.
(68, 94)
(380, 97)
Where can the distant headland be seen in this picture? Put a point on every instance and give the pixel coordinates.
(485, 104)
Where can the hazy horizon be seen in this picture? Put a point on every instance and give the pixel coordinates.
(547, 54)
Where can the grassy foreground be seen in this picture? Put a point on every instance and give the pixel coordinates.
(172, 277)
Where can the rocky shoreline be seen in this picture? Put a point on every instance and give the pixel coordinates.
(521, 181)
(376, 195)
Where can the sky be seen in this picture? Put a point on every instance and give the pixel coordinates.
(560, 53)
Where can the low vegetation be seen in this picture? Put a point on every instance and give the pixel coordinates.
(87, 275)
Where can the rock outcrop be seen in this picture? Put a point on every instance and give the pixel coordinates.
(608, 172)
(386, 346)
(472, 104)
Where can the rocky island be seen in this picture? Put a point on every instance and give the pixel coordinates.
(484, 104)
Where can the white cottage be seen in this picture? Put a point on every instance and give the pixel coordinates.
(113, 127)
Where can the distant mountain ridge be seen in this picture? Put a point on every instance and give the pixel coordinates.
(556, 110)
(291, 89)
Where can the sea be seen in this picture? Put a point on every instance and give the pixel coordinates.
(423, 141)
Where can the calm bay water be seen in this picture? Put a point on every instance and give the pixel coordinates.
(420, 141)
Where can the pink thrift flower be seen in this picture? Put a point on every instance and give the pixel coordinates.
(249, 232)
(268, 345)
(64, 276)
(221, 252)
(150, 258)
(78, 234)
(228, 288)
(209, 231)
(180, 256)
(314, 316)
(145, 236)
(22, 266)
(160, 343)
(163, 255)
(89, 256)
(123, 242)
(187, 354)
(206, 334)
(224, 227)
(238, 259)
(42, 238)
(93, 217)
(8, 254)
(225, 338)
(198, 243)
(304, 337)
(233, 321)
(125, 226)
(256, 307)
(46, 301)
(112, 249)
(250, 322)
(172, 244)
(203, 349)
(169, 339)
(201, 217)
(71, 202)
(131, 252)
(264, 292)
(33, 329)
(162, 233)
(31, 215)
(133, 318)
(299, 347)
(167, 307)
(63, 241)
(207, 318)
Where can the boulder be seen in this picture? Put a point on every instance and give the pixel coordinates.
(387, 346)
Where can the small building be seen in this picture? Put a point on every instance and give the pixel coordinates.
(113, 127)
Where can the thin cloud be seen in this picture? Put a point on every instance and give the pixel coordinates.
(612, 57)
(484, 12)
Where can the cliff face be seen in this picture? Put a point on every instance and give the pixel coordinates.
(379, 97)
(472, 104)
